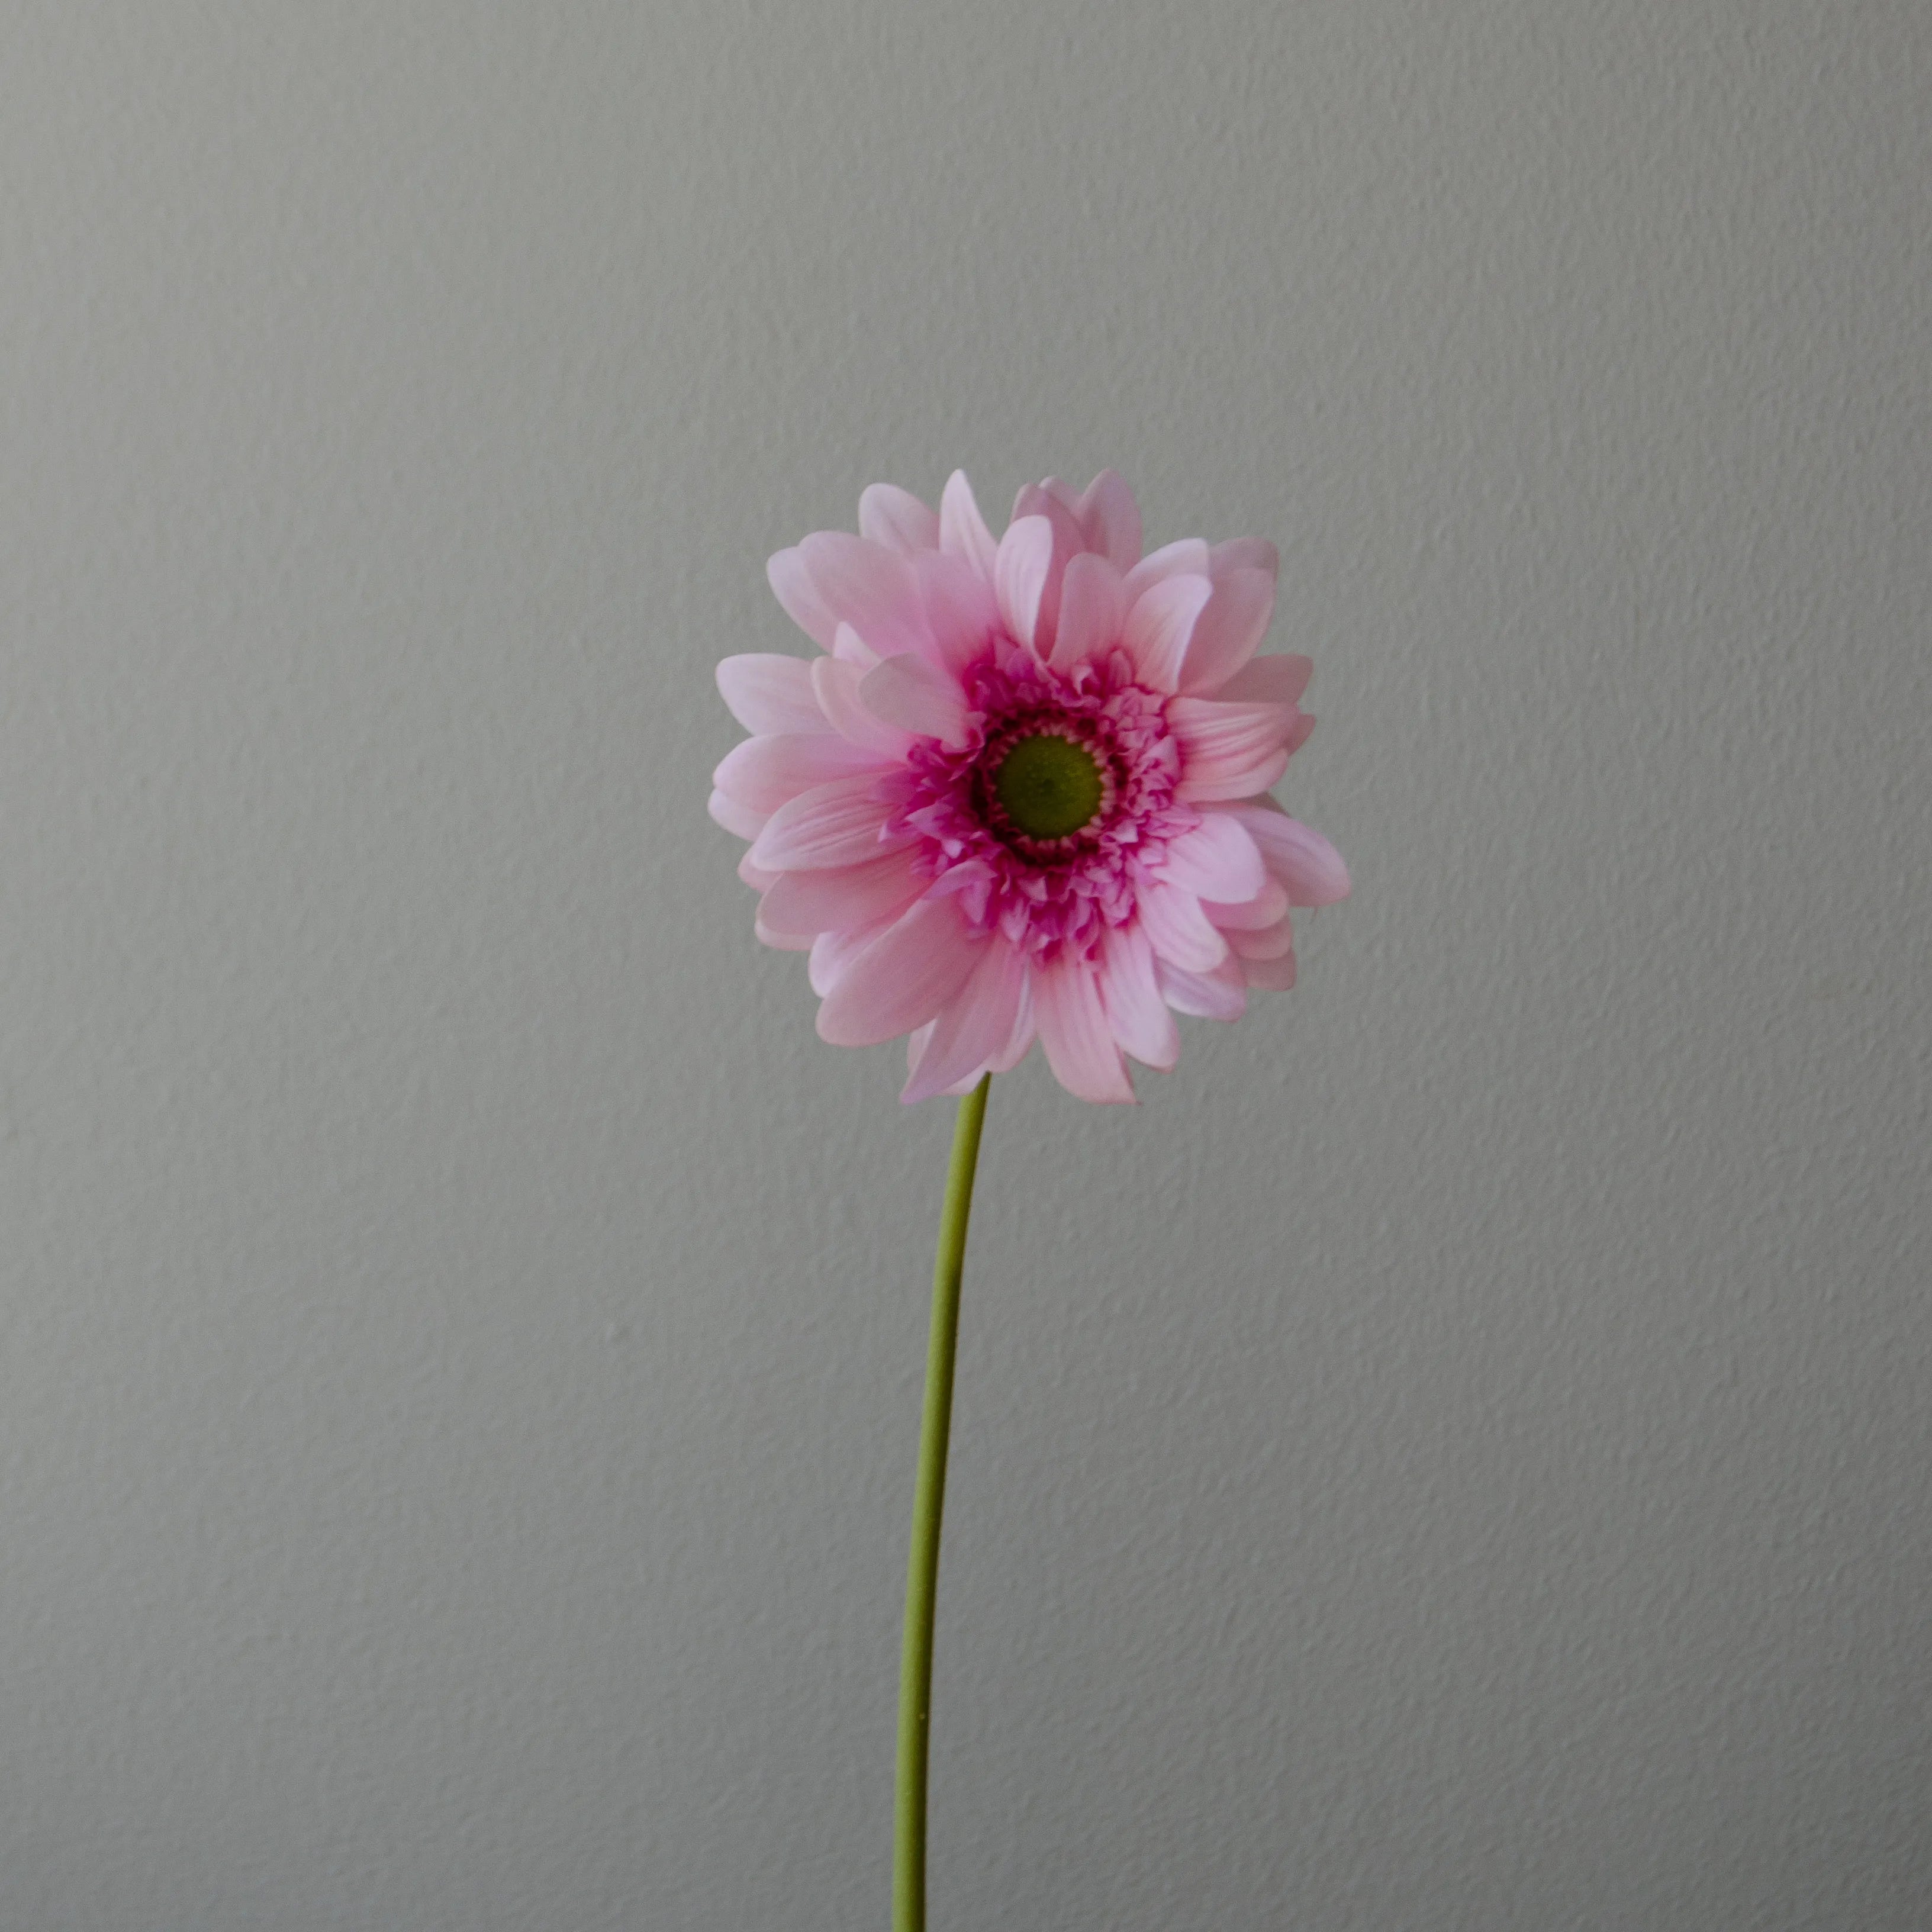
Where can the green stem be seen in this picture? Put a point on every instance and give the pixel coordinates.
(928, 1503)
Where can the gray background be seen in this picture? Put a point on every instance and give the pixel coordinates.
(1455, 1457)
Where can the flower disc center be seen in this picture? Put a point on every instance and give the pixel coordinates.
(1049, 786)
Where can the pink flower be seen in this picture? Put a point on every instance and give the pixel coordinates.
(1024, 792)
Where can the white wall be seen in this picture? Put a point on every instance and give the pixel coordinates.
(1455, 1457)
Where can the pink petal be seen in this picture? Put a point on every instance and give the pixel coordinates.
(769, 694)
(909, 692)
(1222, 994)
(1270, 943)
(1177, 928)
(1268, 681)
(1253, 915)
(1020, 569)
(916, 1043)
(1020, 1041)
(841, 824)
(848, 648)
(1093, 611)
(1073, 1029)
(961, 612)
(1230, 630)
(756, 877)
(1228, 751)
(835, 682)
(1298, 736)
(962, 530)
(1297, 854)
(1187, 558)
(1244, 553)
(1139, 1017)
(1159, 625)
(765, 772)
(897, 519)
(781, 942)
(832, 952)
(977, 1022)
(1276, 975)
(1216, 860)
(1061, 493)
(905, 977)
(1069, 542)
(1112, 520)
(792, 584)
(872, 589)
(841, 898)
(740, 819)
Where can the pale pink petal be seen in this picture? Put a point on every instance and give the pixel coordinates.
(897, 519)
(1069, 542)
(1093, 611)
(1274, 976)
(769, 694)
(975, 1024)
(1187, 558)
(872, 589)
(848, 648)
(756, 877)
(1228, 751)
(834, 683)
(1139, 1017)
(1268, 681)
(1253, 915)
(962, 530)
(1079, 1043)
(1112, 520)
(832, 952)
(1298, 736)
(841, 824)
(1177, 928)
(1019, 1041)
(1244, 553)
(764, 772)
(1270, 943)
(961, 612)
(1230, 630)
(1297, 854)
(1222, 994)
(905, 978)
(910, 692)
(1160, 625)
(1020, 569)
(792, 584)
(916, 1042)
(780, 942)
(842, 897)
(1217, 860)
(735, 818)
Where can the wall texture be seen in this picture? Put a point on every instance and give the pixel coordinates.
(1456, 1456)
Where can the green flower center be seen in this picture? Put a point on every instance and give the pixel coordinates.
(1049, 786)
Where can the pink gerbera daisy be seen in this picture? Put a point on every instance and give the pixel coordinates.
(1025, 792)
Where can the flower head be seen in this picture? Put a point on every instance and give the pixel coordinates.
(1023, 792)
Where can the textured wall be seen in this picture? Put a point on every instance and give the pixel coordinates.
(1456, 1456)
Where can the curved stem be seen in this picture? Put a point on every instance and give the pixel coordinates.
(928, 1503)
